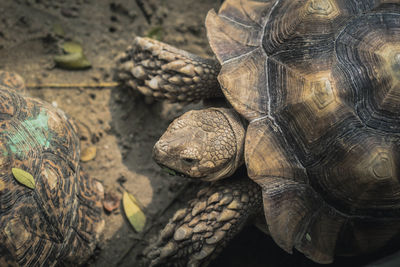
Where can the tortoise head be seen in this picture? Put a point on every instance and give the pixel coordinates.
(204, 144)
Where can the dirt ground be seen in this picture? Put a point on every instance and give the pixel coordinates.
(116, 120)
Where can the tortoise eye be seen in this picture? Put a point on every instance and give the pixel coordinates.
(188, 161)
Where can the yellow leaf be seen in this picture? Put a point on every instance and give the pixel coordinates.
(132, 211)
(72, 48)
(88, 153)
(74, 59)
(24, 177)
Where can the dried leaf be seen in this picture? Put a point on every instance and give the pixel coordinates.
(72, 61)
(88, 153)
(133, 212)
(72, 47)
(74, 58)
(24, 177)
(111, 201)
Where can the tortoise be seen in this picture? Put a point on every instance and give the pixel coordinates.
(56, 219)
(313, 92)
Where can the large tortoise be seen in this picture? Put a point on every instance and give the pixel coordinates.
(315, 91)
(56, 219)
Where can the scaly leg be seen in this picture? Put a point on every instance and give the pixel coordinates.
(196, 234)
(165, 72)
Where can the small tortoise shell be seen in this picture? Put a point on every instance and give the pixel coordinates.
(60, 219)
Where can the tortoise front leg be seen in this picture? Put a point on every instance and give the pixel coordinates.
(164, 72)
(197, 234)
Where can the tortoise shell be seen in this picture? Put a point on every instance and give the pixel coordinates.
(59, 220)
(319, 83)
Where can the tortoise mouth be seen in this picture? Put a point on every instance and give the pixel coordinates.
(172, 172)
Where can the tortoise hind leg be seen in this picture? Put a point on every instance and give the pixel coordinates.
(196, 234)
(159, 70)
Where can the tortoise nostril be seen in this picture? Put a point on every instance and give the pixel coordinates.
(160, 146)
(159, 151)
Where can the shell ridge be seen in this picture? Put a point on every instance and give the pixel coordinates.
(343, 29)
(288, 145)
(251, 57)
(361, 77)
(260, 118)
(51, 221)
(246, 36)
(12, 202)
(240, 56)
(268, 107)
(235, 22)
(267, 19)
(305, 224)
(247, 14)
(15, 98)
(24, 138)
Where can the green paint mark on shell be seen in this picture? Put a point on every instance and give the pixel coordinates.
(24, 177)
(31, 132)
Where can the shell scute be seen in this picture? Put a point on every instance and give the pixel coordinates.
(246, 72)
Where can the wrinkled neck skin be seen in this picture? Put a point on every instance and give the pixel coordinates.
(237, 126)
(203, 144)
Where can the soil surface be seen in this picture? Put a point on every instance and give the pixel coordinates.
(117, 121)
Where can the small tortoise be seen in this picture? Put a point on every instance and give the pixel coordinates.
(59, 221)
(314, 87)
